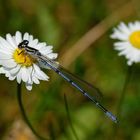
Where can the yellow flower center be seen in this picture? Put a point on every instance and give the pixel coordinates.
(134, 39)
(22, 58)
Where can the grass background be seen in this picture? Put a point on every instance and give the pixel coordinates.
(80, 32)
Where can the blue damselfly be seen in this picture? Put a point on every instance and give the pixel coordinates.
(76, 82)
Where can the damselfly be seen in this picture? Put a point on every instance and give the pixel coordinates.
(76, 82)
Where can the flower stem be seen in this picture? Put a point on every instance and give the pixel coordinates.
(69, 117)
(19, 98)
(123, 93)
(120, 104)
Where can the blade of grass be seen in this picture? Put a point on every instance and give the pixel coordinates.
(69, 117)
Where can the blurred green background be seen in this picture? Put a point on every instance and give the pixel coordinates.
(80, 32)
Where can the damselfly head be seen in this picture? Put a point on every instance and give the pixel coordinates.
(23, 44)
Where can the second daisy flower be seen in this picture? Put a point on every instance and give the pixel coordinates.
(129, 41)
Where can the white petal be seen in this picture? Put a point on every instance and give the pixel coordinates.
(9, 63)
(129, 63)
(123, 28)
(119, 35)
(26, 36)
(12, 42)
(46, 50)
(7, 74)
(15, 70)
(35, 80)
(19, 76)
(133, 27)
(40, 74)
(124, 52)
(33, 43)
(137, 25)
(30, 81)
(52, 55)
(2, 71)
(5, 45)
(18, 37)
(3, 55)
(30, 71)
(39, 46)
(11, 77)
(29, 86)
(30, 38)
(121, 44)
(24, 74)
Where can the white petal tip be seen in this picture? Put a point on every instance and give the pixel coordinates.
(29, 87)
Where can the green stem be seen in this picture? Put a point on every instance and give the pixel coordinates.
(69, 118)
(120, 104)
(19, 98)
(123, 93)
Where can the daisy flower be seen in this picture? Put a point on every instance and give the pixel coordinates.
(16, 64)
(129, 41)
